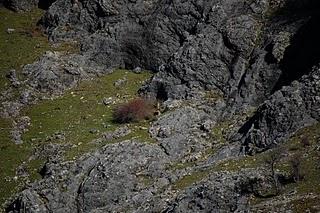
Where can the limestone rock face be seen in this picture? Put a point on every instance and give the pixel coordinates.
(236, 47)
(287, 110)
(212, 61)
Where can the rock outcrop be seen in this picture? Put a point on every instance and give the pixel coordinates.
(132, 177)
(21, 5)
(260, 53)
(231, 46)
(287, 110)
(26, 5)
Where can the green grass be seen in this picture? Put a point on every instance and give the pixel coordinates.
(25, 44)
(191, 179)
(21, 47)
(81, 110)
(310, 159)
(218, 132)
(75, 113)
(310, 165)
(310, 169)
(305, 205)
(11, 156)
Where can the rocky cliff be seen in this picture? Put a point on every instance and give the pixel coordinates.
(238, 79)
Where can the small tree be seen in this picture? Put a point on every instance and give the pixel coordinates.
(133, 111)
(271, 160)
(295, 163)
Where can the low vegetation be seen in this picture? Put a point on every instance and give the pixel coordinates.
(22, 42)
(298, 159)
(79, 116)
(133, 111)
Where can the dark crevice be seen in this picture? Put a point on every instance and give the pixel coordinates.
(302, 54)
(193, 30)
(227, 43)
(44, 171)
(242, 81)
(133, 56)
(251, 62)
(248, 125)
(269, 58)
(45, 4)
(162, 94)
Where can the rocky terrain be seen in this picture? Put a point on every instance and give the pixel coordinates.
(238, 87)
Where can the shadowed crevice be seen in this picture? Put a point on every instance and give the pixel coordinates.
(302, 54)
(45, 4)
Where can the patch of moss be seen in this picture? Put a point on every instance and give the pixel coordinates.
(308, 204)
(312, 133)
(213, 95)
(218, 132)
(33, 167)
(191, 179)
(140, 131)
(180, 165)
(233, 165)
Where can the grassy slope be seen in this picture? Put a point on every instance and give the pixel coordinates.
(81, 110)
(25, 44)
(310, 168)
(21, 47)
(75, 113)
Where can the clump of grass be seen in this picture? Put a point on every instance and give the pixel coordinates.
(213, 95)
(191, 179)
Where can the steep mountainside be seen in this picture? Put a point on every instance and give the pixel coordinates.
(238, 84)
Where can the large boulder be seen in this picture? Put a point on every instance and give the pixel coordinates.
(289, 109)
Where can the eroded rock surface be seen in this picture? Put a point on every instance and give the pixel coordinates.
(289, 109)
(213, 61)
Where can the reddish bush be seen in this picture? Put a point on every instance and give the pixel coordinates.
(135, 110)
